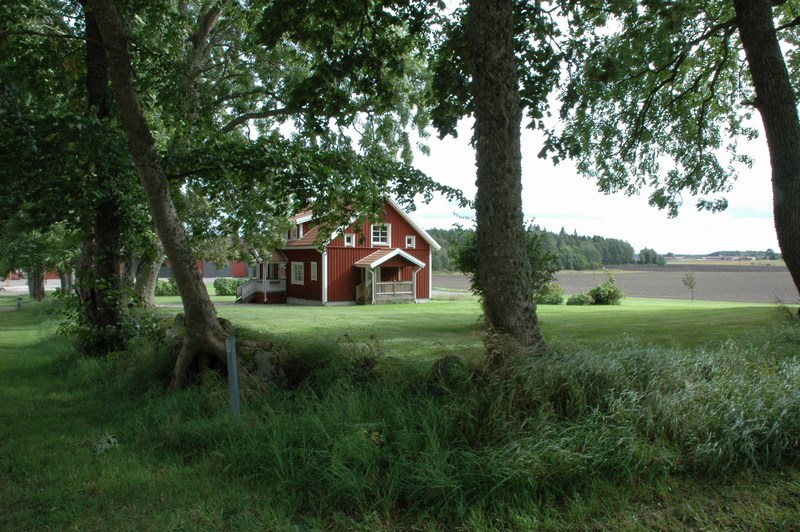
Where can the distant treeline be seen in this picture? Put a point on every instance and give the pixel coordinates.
(769, 254)
(571, 251)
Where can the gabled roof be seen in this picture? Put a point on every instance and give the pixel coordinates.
(375, 259)
(306, 240)
(302, 217)
(277, 256)
(309, 238)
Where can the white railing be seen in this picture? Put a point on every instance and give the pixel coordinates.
(247, 289)
(395, 288)
(276, 285)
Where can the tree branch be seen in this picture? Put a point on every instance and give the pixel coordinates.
(31, 33)
(790, 24)
(241, 119)
(205, 25)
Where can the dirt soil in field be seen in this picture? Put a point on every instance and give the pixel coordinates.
(746, 283)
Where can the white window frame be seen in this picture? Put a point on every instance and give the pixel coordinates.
(388, 235)
(349, 240)
(298, 267)
(294, 232)
(313, 271)
(411, 241)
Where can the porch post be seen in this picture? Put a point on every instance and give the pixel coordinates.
(325, 277)
(374, 286)
(264, 279)
(430, 273)
(414, 284)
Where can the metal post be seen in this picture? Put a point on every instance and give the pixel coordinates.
(19, 303)
(233, 374)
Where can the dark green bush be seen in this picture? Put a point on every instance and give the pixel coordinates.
(607, 293)
(225, 286)
(167, 288)
(550, 293)
(580, 299)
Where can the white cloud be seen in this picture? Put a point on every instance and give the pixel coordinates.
(557, 197)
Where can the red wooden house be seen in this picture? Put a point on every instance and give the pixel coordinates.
(379, 262)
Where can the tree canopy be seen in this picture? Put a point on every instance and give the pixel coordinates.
(659, 94)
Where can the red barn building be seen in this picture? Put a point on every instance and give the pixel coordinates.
(377, 263)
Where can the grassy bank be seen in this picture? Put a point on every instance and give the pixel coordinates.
(651, 415)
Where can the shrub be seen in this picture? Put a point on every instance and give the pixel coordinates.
(607, 293)
(225, 286)
(580, 299)
(464, 256)
(167, 288)
(550, 293)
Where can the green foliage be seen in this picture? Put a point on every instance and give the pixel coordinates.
(607, 293)
(464, 257)
(690, 281)
(167, 288)
(551, 293)
(580, 299)
(538, 60)
(571, 252)
(650, 256)
(581, 436)
(683, 107)
(226, 286)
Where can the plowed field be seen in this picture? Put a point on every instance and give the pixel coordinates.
(757, 284)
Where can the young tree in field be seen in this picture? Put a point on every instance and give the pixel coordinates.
(661, 90)
(690, 281)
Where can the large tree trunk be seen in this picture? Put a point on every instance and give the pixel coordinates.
(36, 283)
(67, 281)
(204, 338)
(128, 277)
(503, 266)
(776, 102)
(147, 275)
(100, 288)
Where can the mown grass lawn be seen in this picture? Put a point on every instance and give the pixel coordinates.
(441, 328)
(601, 447)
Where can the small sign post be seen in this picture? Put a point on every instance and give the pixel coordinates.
(233, 374)
(19, 303)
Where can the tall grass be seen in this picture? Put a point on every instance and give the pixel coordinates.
(544, 431)
(364, 438)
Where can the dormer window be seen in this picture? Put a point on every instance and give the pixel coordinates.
(381, 234)
(296, 232)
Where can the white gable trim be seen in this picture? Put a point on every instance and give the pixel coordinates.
(303, 219)
(395, 253)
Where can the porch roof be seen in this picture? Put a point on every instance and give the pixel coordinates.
(376, 258)
(278, 256)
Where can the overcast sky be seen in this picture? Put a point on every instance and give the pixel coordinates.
(556, 197)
